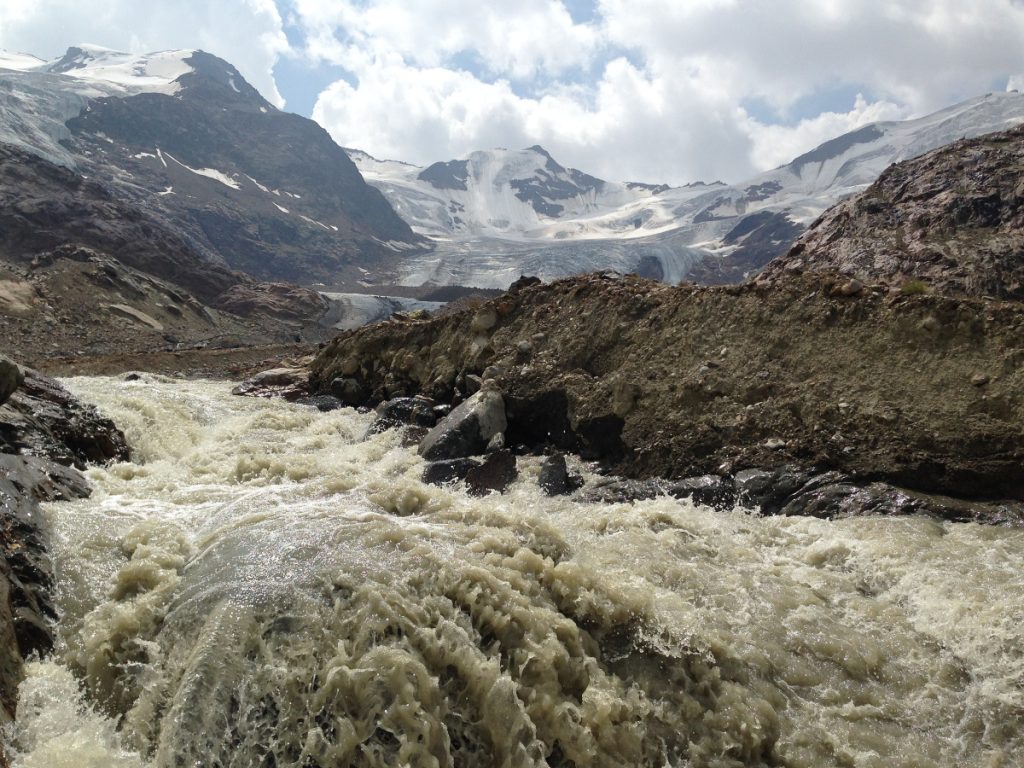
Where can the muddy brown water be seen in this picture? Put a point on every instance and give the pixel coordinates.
(262, 586)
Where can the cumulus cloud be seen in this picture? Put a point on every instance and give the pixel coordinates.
(248, 33)
(669, 86)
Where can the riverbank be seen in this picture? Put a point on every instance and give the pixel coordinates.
(818, 371)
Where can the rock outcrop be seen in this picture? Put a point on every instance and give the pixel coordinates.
(44, 433)
(951, 221)
(43, 419)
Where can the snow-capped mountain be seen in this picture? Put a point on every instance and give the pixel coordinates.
(184, 137)
(494, 215)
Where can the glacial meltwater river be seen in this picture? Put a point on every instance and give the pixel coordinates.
(263, 587)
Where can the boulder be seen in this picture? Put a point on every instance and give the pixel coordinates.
(11, 377)
(467, 429)
(497, 472)
(709, 490)
(349, 391)
(619, 491)
(289, 383)
(448, 471)
(323, 403)
(404, 411)
(555, 479)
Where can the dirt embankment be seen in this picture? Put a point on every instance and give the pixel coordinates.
(923, 391)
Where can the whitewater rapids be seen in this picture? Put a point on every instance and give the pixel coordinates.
(263, 586)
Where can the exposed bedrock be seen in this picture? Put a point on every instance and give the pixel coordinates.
(921, 391)
(44, 434)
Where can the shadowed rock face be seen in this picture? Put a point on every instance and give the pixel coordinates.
(952, 219)
(43, 430)
(289, 203)
(44, 206)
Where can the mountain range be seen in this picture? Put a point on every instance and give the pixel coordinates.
(495, 214)
(179, 143)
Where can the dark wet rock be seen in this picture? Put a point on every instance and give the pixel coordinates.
(617, 491)
(448, 471)
(555, 479)
(349, 391)
(43, 419)
(467, 429)
(524, 281)
(472, 383)
(404, 411)
(768, 491)
(412, 436)
(847, 499)
(11, 377)
(710, 490)
(323, 403)
(25, 573)
(133, 377)
(497, 472)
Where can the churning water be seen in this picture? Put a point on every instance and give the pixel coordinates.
(263, 586)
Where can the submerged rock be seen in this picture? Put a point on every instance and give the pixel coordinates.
(494, 475)
(448, 471)
(554, 478)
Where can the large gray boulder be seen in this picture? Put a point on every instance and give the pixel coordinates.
(11, 377)
(467, 429)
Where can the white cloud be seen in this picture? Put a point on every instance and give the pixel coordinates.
(674, 81)
(514, 41)
(247, 33)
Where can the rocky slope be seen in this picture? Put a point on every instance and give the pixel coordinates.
(44, 434)
(951, 221)
(83, 272)
(856, 372)
(920, 391)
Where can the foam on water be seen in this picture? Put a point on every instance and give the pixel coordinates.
(264, 587)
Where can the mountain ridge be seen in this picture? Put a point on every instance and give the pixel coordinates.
(183, 135)
(509, 213)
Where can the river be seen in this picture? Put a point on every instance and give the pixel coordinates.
(263, 586)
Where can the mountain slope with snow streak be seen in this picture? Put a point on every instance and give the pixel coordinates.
(184, 137)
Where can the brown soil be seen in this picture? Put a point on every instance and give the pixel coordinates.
(923, 391)
(193, 363)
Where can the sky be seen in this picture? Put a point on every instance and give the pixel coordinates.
(660, 91)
